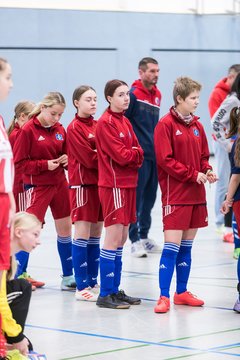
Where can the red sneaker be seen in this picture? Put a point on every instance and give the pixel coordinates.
(163, 305)
(228, 237)
(187, 298)
(35, 283)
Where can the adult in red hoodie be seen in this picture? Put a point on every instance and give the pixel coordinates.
(119, 157)
(218, 95)
(40, 153)
(182, 161)
(85, 204)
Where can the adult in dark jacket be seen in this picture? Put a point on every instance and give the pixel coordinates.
(143, 113)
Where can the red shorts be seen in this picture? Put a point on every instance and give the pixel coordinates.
(184, 217)
(55, 196)
(85, 204)
(236, 210)
(20, 200)
(119, 205)
(4, 232)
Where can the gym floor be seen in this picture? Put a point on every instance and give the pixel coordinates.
(66, 329)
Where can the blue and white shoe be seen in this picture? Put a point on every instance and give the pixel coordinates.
(68, 283)
(151, 246)
(35, 356)
(237, 306)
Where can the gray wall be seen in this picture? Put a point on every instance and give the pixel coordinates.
(59, 50)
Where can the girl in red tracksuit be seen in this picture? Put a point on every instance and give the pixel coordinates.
(86, 209)
(6, 183)
(40, 153)
(119, 157)
(21, 112)
(182, 160)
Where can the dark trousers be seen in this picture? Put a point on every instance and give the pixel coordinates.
(19, 293)
(146, 196)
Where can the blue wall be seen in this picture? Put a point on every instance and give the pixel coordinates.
(59, 50)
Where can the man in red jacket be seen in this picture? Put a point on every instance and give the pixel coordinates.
(219, 93)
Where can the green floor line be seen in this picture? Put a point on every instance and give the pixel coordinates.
(201, 335)
(186, 356)
(105, 352)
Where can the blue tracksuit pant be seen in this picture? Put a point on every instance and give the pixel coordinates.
(146, 196)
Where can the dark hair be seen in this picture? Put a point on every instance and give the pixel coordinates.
(235, 130)
(111, 86)
(145, 61)
(79, 91)
(235, 67)
(236, 86)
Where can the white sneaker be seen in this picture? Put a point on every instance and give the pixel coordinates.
(86, 294)
(137, 250)
(151, 246)
(96, 289)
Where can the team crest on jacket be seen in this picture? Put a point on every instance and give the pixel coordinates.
(196, 132)
(58, 136)
(157, 101)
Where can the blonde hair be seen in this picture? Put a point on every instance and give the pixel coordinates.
(51, 99)
(25, 221)
(184, 86)
(24, 107)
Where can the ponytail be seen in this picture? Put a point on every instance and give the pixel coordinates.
(235, 130)
(234, 122)
(12, 125)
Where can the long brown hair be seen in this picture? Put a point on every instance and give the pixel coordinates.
(235, 130)
(22, 107)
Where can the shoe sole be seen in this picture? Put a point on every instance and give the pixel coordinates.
(161, 312)
(68, 289)
(139, 256)
(184, 303)
(88, 300)
(113, 307)
(134, 303)
(154, 251)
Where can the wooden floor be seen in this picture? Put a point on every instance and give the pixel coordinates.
(65, 329)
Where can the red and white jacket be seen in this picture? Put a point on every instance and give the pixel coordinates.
(181, 152)
(18, 181)
(6, 161)
(118, 161)
(82, 153)
(34, 146)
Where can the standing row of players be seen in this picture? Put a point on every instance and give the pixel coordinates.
(102, 158)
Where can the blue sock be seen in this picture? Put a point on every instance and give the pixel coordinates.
(235, 232)
(238, 274)
(80, 265)
(118, 269)
(183, 265)
(22, 258)
(107, 271)
(166, 267)
(93, 253)
(64, 245)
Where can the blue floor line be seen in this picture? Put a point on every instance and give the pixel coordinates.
(131, 340)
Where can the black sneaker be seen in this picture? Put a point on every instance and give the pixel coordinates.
(111, 302)
(120, 295)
